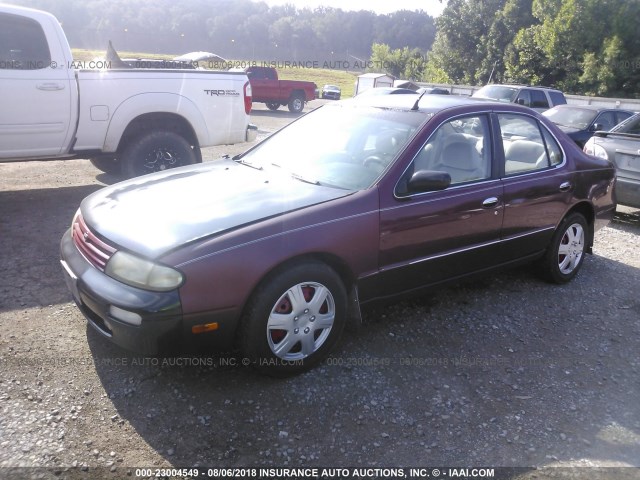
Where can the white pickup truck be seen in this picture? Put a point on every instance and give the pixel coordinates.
(129, 121)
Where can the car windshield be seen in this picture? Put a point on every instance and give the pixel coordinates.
(579, 118)
(500, 93)
(340, 146)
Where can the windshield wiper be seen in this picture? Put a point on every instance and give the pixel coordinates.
(240, 160)
(305, 180)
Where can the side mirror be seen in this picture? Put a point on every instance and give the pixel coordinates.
(595, 127)
(428, 181)
(520, 101)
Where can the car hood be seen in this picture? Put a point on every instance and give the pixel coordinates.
(566, 129)
(154, 214)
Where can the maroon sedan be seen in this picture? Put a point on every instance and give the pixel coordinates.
(274, 251)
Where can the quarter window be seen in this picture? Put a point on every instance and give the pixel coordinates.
(23, 45)
(527, 147)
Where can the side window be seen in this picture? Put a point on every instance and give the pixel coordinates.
(557, 98)
(621, 117)
(524, 98)
(607, 120)
(460, 147)
(538, 99)
(23, 44)
(525, 149)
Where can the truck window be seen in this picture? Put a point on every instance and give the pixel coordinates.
(23, 44)
(538, 99)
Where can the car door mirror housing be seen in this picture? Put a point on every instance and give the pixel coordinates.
(428, 181)
(596, 126)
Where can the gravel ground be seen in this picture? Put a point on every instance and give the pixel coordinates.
(507, 371)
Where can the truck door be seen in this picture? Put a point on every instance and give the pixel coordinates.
(36, 112)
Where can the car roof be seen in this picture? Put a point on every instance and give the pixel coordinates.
(428, 103)
(595, 108)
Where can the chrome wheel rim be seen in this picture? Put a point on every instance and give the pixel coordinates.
(571, 249)
(297, 104)
(159, 160)
(300, 321)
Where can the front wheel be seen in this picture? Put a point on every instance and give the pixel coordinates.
(566, 252)
(296, 103)
(294, 319)
(156, 152)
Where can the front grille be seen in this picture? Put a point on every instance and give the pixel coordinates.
(91, 247)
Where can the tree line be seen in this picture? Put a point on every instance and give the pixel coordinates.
(237, 29)
(589, 47)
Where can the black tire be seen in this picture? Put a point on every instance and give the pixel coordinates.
(309, 301)
(296, 103)
(567, 250)
(109, 165)
(272, 105)
(156, 152)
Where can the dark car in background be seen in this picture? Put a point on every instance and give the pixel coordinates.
(331, 92)
(387, 91)
(580, 121)
(433, 91)
(621, 145)
(538, 98)
(275, 251)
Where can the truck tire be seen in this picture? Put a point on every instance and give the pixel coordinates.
(109, 165)
(296, 103)
(156, 152)
(272, 105)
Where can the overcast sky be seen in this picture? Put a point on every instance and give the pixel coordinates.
(432, 7)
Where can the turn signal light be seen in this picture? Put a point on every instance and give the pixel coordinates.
(207, 327)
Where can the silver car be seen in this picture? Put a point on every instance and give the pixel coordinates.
(621, 145)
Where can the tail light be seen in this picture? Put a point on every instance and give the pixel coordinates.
(247, 98)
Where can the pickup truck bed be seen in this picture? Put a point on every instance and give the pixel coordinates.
(132, 121)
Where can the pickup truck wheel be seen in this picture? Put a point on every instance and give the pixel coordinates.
(296, 103)
(109, 165)
(156, 152)
(272, 106)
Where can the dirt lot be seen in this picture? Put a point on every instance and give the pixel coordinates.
(508, 371)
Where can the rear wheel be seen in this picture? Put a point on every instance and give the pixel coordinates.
(566, 252)
(294, 319)
(296, 103)
(272, 105)
(156, 152)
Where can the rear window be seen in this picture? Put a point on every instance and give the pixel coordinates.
(23, 44)
(557, 98)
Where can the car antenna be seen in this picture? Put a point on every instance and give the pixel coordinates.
(415, 105)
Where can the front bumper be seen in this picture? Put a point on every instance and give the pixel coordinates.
(159, 313)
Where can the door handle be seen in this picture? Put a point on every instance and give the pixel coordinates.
(565, 186)
(50, 86)
(490, 202)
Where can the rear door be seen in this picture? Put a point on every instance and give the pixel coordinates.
(538, 184)
(35, 118)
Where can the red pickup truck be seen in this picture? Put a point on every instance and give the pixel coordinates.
(266, 88)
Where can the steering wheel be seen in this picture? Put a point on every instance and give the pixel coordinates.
(374, 161)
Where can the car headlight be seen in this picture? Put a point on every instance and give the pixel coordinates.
(592, 148)
(141, 273)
